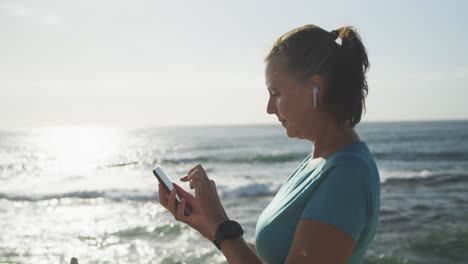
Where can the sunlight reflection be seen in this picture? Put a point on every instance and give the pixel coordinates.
(78, 150)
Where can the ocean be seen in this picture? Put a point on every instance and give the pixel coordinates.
(89, 193)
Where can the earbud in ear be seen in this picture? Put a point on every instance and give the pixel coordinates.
(315, 90)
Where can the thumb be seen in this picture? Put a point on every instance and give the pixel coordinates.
(188, 196)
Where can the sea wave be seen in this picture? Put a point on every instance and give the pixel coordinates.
(421, 156)
(248, 190)
(442, 246)
(229, 159)
(241, 158)
(432, 179)
(118, 195)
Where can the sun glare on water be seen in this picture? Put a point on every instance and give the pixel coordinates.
(79, 150)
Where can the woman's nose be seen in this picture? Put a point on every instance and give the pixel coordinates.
(271, 106)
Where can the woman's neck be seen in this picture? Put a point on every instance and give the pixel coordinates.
(332, 140)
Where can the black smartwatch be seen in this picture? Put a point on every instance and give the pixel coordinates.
(227, 230)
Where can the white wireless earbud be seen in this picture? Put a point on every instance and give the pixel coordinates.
(315, 90)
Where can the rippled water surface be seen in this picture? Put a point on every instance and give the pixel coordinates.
(89, 192)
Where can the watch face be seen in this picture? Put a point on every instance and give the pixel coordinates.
(231, 229)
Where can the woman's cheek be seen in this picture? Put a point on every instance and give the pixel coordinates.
(280, 104)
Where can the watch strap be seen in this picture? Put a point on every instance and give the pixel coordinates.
(215, 242)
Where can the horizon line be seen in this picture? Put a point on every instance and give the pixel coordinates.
(70, 126)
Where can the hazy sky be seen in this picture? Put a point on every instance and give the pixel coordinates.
(147, 63)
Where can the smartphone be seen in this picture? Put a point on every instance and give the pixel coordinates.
(167, 184)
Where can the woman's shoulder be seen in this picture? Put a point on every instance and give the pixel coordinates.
(356, 160)
(355, 154)
(350, 168)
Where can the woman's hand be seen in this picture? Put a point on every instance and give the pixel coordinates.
(207, 213)
(200, 218)
(207, 197)
(195, 220)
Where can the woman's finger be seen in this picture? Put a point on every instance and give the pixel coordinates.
(184, 179)
(183, 194)
(172, 202)
(181, 191)
(191, 185)
(213, 184)
(196, 175)
(180, 210)
(162, 196)
(195, 185)
(196, 167)
(192, 174)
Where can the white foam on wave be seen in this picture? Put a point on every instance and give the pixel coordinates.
(249, 189)
(402, 174)
(121, 183)
(107, 184)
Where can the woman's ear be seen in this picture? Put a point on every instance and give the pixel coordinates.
(317, 84)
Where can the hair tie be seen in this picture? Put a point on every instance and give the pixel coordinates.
(335, 36)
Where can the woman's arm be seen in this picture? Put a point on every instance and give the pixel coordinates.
(239, 251)
(235, 250)
(317, 242)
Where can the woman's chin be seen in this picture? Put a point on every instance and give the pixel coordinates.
(289, 131)
(292, 133)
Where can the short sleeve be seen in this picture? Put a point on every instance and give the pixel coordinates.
(341, 198)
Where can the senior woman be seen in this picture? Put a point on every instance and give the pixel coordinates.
(327, 210)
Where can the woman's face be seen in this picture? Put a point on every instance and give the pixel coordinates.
(290, 100)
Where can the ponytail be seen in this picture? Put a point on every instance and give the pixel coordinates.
(348, 75)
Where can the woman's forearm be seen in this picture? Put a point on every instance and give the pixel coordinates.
(239, 251)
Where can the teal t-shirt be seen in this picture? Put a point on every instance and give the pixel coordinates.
(342, 190)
